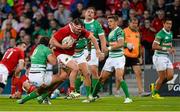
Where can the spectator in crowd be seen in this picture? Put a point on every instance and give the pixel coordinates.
(146, 15)
(4, 9)
(6, 34)
(27, 40)
(107, 12)
(62, 15)
(124, 12)
(28, 27)
(159, 5)
(21, 35)
(28, 10)
(78, 11)
(174, 12)
(147, 33)
(38, 30)
(35, 9)
(133, 53)
(50, 16)
(149, 5)
(53, 25)
(12, 20)
(41, 20)
(157, 23)
(21, 20)
(138, 7)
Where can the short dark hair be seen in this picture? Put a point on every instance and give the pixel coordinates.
(91, 8)
(115, 17)
(167, 19)
(44, 41)
(20, 43)
(78, 21)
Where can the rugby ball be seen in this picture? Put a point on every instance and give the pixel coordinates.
(68, 40)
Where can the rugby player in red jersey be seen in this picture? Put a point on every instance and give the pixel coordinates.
(13, 60)
(64, 52)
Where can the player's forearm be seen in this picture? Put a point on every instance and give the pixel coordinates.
(103, 41)
(55, 43)
(116, 45)
(94, 41)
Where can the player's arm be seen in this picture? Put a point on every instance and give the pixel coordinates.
(94, 41)
(54, 42)
(52, 59)
(103, 42)
(115, 45)
(19, 67)
(156, 46)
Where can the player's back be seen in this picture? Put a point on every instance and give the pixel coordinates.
(11, 58)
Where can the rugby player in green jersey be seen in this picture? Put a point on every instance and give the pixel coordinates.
(163, 48)
(116, 58)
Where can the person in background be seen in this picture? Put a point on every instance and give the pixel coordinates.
(133, 53)
(163, 49)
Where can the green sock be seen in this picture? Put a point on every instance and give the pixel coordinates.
(44, 95)
(97, 88)
(30, 96)
(78, 83)
(155, 92)
(94, 82)
(88, 90)
(125, 88)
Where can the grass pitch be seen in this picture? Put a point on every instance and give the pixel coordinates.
(110, 103)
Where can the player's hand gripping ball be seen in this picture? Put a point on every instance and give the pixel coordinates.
(68, 40)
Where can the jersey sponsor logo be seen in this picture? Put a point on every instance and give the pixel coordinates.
(173, 87)
(166, 37)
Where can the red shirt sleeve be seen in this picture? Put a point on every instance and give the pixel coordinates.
(60, 34)
(21, 55)
(85, 33)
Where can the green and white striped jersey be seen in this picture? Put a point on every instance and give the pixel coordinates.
(165, 40)
(114, 36)
(95, 27)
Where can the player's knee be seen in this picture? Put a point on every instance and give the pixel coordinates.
(170, 77)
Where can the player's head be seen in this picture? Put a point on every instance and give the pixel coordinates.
(44, 41)
(90, 13)
(22, 45)
(77, 25)
(113, 21)
(133, 23)
(167, 23)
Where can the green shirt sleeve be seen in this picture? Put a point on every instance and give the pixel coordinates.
(99, 28)
(119, 34)
(48, 51)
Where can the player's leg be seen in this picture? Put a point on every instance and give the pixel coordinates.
(105, 73)
(161, 65)
(138, 74)
(78, 82)
(93, 66)
(55, 81)
(70, 63)
(87, 81)
(169, 71)
(119, 63)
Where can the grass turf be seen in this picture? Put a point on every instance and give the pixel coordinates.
(104, 104)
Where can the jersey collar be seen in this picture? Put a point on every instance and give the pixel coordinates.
(89, 21)
(166, 31)
(70, 27)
